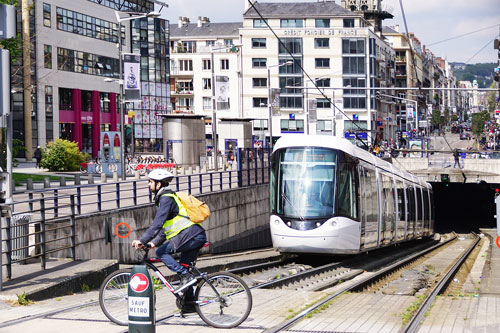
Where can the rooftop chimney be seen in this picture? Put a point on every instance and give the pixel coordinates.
(179, 23)
(200, 23)
(396, 27)
(247, 5)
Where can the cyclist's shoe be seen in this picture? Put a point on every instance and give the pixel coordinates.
(186, 280)
(188, 308)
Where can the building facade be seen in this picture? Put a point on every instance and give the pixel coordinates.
(74, 49)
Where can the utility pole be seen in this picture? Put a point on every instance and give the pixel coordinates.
(28, 107)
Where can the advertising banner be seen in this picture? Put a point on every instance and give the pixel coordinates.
(222, 89)
(131, 77)
(275, 101)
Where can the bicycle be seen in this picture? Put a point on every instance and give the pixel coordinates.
(222, 299)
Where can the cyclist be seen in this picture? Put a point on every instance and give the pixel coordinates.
(182, 235)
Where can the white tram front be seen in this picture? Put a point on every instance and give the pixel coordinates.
(328, 196)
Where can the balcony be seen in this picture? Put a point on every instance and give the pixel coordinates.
(177, 71)
(182, 92)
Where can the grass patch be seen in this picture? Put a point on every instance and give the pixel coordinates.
(407, 315)
(21, 178)
(23, 300)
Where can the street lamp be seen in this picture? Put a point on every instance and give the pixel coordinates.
(133, 16)
(269, 102)
(214, 102)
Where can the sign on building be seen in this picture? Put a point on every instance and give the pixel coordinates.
(275, 101)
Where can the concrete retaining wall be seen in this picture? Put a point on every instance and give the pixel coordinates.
(239, 220)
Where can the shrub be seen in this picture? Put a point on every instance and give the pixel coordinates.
(62, 155)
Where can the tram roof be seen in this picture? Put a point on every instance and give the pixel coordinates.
(332, 142)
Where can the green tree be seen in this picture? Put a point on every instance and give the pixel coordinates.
(491, 99)
(62, 155)
(478, 120)
(454, 117)
(446, 116)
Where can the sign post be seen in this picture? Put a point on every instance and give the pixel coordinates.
(141, 306)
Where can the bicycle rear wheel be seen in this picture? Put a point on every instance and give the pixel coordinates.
(113, 296)
(223, 300)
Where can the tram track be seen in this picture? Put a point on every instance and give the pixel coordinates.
(379, 278)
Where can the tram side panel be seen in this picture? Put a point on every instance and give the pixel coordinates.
(401, 210)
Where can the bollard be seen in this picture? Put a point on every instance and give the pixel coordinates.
(46, 182)
(141, 308)
(174, 171)
(78, 180)
(115, 176)
(103, 178)
(189, 170)
(62, 181)
(137, 175)
(29, 184)
(197, 169)
(90, 179)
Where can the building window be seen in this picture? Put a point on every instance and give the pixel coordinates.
(81, 24)
(291, 23)
(47, 56)
(259, 102)
(322, 83)
(186, 65)
(47, 12)
(288, 125)
(354, 103)
(259, 62)
(259, 82)
(323, 126)
(323, 103)
(86, 63)
(294, 45)
(210, 43)
(224, 64)
(104, 102)
(353, 46)
(322, 62)
(185, 47)
(348, 23)
(65, 99)
(207, 65)
(258, 43)
(355, 125)
(354, 82)
(260, 125)
(207, 103)
(207, 84)
(353, 65)
(291, 102)
(258, 23)
(322, 23)
(49, 102)
(184, 87)
(321, 43)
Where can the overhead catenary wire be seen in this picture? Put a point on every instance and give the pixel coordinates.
(466, 34)
(475, 54)
(305, 73)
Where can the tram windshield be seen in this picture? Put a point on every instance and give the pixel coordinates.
(303, 182)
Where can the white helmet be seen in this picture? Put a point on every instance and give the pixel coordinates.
(161, 175)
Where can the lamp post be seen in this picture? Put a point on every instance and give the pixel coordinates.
(269, 102)
(133, 16)
(214, 102)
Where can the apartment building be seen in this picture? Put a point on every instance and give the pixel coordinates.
(322, 44)
(74, 49)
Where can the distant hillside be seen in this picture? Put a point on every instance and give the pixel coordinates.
(480, 72)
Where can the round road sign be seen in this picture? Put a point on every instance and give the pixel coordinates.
(139, 282)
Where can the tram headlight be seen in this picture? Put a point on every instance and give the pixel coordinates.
(289, 224)
(276, 222)
(318, 224)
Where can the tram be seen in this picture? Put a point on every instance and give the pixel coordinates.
(328, 196)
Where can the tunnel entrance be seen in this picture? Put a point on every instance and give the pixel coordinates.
(464, 207)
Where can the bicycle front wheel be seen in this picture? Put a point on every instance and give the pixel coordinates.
(113, 296)
(223, 300)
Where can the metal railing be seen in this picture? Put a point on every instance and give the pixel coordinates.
(39, 215)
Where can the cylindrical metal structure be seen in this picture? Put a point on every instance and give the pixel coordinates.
(184, 138)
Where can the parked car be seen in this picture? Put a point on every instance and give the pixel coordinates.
(464, 136)
(494, 154)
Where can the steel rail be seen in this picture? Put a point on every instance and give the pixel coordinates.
(356, 286)
(418, 316)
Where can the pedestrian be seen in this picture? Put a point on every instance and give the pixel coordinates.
(38, 156)
(456, 156)
(172, 224)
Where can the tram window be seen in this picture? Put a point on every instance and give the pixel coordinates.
(426, 205)
(419, 204)
(371, 196)
(410, 196)
(401, 201)
(305, 182)
(348, 200)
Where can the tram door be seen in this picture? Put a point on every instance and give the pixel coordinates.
(369, 206)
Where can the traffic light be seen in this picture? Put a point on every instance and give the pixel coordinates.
(377, 94)
(4, 181)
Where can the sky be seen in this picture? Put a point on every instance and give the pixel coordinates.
(432, 21)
